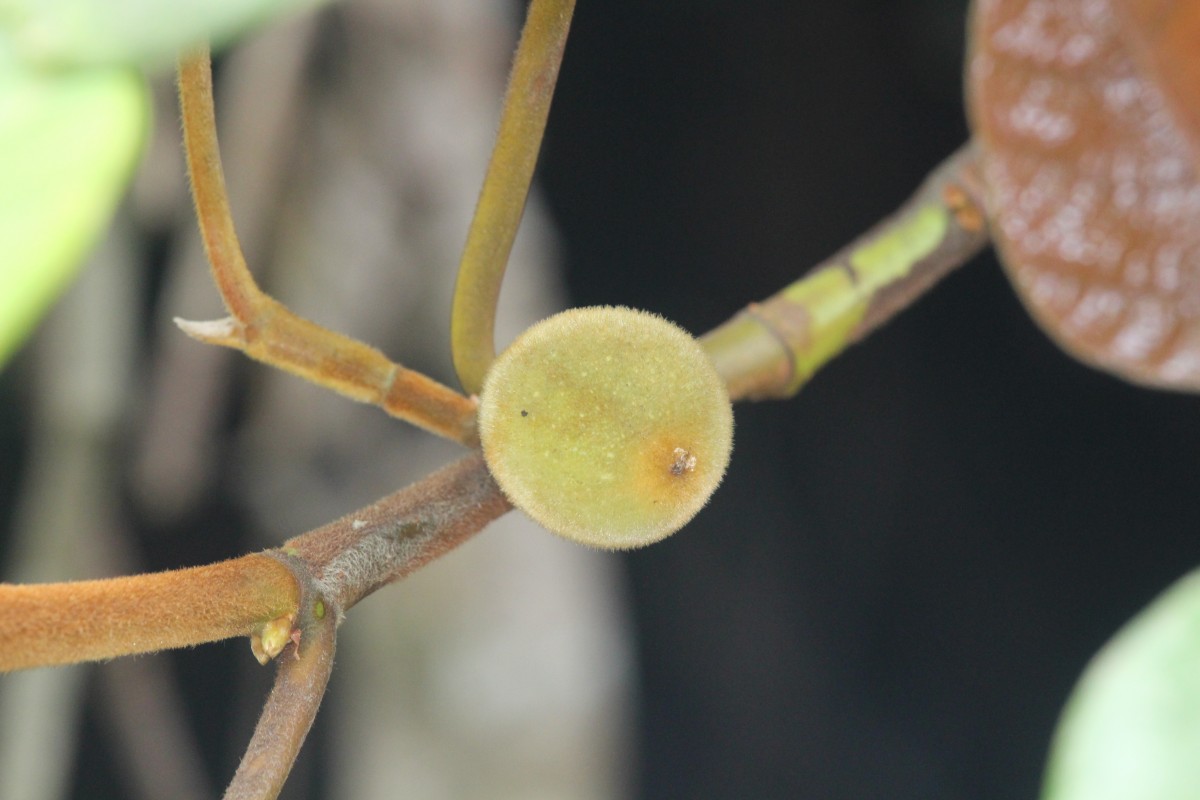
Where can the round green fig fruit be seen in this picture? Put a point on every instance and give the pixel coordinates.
(607, 425)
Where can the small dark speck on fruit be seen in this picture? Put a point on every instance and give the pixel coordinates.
(524, 413)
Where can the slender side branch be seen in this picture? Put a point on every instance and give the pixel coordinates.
(66, 623)
(268, 331)
(292, 705)
(239, 291)
(771, 349)
(505, 188)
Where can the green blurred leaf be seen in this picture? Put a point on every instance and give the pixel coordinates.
(68, 143)
(1131, 730)
(145, 32)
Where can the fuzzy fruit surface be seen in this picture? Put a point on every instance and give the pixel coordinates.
(607, 425)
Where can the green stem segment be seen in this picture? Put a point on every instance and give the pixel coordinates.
(771, 349)
(505, 189)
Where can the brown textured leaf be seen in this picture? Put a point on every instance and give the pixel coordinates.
(1092, 184)
(1166, 39)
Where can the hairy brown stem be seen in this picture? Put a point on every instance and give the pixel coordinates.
(66, 623)
(291, 707)
(340, 563)
(385, 541)
(230, 273)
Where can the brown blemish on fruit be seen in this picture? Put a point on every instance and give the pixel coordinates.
(683, 462)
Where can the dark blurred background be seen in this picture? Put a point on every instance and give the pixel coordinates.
(910, 563)
(907, 566)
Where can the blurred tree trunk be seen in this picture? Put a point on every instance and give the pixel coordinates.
(355, 142)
